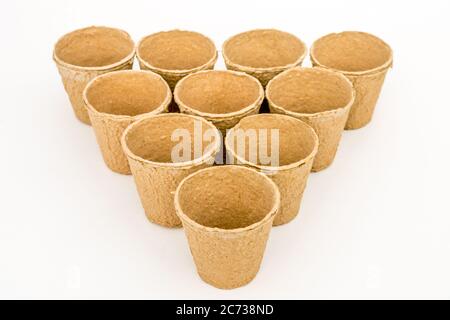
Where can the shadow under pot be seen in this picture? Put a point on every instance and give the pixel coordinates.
(117, 99)
(175, 54)
(162, 150)
(319, 97)
(83, 54)
(263, 53)
(227, 214)
(279, 146)
(364, 59)
(222, 97)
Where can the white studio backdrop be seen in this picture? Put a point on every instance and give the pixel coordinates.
(376, 224)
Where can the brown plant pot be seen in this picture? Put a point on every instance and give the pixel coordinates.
(83, 54)
(361, 57)
(149, 145)
(175, 54)
(297, 145)
(227, 214)
(117, 99)
(263, 53)
(222, 97)
(322, 98)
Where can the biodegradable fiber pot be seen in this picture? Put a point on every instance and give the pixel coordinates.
(222, 97)
(319, 97)
(117, 99)
(86, 53)
(175, 54)
(361, 57)
(263, 53)
(227, 214)
(287, 160)
(162, 150)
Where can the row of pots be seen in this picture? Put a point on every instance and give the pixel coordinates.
(85, 53)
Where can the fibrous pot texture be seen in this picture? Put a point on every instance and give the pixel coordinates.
(115, 100)
(319, 97)
(264, 49)
(227, 214)
(351, 52)
(176, 53)
(86, 53)
(362, 58)
(281, 147)
(94, 47)
(222, 97)
(151, 139)
(127, 93)
(310, 91)
(263, 53)
(296, 140)
(227, 197)
(162, 150)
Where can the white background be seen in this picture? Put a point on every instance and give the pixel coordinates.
(376, 224)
